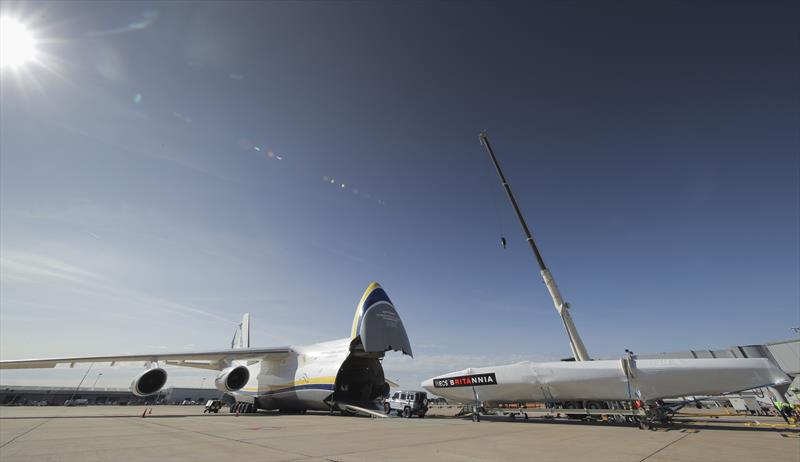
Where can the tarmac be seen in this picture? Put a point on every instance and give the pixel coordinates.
(183, 433)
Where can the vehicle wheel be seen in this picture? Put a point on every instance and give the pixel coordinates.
(573, 405)
(407, 412)
(476, 417)
(387, 409)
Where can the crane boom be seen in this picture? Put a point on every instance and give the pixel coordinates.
(576, 344)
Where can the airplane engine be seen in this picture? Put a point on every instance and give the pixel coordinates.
(149, 382)
(233, 378)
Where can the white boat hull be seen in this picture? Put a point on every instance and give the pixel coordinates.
(607, 380)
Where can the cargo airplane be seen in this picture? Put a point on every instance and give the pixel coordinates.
(344, 375)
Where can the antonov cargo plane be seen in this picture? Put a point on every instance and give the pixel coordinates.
(344, 375)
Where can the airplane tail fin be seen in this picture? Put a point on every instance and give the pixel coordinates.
(377, 325)
(241, 337)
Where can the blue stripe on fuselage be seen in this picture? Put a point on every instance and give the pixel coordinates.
(310, 386)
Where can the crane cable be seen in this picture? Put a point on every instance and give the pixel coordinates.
(497, 213)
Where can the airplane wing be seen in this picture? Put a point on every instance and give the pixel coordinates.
(213, 360)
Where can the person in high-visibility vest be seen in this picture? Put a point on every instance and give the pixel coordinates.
(781, 407)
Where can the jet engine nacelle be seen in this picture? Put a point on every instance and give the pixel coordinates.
(149, 382)
(232, 378)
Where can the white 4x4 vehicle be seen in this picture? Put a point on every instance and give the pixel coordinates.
(407, 403)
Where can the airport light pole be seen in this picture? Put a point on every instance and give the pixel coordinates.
(71, 398)
(576, 344)
(94, 385)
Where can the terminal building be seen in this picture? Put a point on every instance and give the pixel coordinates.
(58, 396)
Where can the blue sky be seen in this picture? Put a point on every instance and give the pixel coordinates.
(169, 166)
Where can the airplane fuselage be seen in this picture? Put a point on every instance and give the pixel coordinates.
(313, 377)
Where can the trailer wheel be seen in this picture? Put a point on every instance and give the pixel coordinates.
(573, 405)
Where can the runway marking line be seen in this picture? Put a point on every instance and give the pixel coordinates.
(759, 424)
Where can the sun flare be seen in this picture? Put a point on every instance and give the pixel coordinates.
(17, 44)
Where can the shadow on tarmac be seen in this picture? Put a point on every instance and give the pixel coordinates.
(678, 425)
(157, 416)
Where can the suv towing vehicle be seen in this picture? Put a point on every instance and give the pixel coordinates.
(407, 403)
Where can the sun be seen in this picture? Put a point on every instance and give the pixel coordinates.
(17, 44)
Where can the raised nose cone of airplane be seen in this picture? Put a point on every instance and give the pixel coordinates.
(428, 385)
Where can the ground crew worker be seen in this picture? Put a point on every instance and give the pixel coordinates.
(781, 408)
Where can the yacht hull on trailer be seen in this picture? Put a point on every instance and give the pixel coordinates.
(607, 380)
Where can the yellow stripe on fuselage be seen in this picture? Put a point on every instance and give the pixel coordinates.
(313, 380)
(360, 307)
